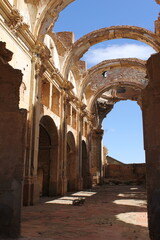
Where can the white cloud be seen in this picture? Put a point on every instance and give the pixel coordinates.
(111, 130)
(96, 55)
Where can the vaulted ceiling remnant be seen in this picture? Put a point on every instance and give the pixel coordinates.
(125, 79)
(120, 75)
(118, 70)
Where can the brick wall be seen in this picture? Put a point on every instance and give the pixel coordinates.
(126, 172)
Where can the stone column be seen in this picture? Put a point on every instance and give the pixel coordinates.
(29, 179)
(62, 184)
(12, 145)
(89, 140)
(96, 156)
(151, 123)
(79, 150)
(31, 187)
(81, 115)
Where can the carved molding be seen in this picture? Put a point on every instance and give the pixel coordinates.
(39, 67)
(41, 56)
(98, 132)
(103, 110)
(82, 106)
(33, 2)
(16, 21)
(13, 19)
(67, 85)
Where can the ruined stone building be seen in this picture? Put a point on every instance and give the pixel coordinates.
(52, 107)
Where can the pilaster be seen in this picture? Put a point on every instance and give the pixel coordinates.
(96, 156)
(151, 123)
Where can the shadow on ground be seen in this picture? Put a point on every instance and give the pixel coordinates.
(114, 212)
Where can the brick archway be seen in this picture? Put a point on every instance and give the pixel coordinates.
(97, 71)
(140, 87)
(120, 72)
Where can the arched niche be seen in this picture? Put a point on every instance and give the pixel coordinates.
(47, 170)
(71, 162)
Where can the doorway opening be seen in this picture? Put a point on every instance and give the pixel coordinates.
(47, 171)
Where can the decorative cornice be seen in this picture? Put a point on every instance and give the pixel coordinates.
(82, 106)
(90, 116)
(16, 21)
(13, 19)
(67, 86)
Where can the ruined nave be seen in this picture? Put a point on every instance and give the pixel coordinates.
(52, 108)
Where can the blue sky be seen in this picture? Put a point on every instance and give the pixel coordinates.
(84, 16)
(123, 134)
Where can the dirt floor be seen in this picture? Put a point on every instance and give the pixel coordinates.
(109, 212)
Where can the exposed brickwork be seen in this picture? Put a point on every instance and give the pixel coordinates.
(12, 134)
(126, 172)
(151, 119)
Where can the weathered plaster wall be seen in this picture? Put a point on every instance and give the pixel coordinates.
(21, 60)
(12, 146)
(46, 111)
(54, 54)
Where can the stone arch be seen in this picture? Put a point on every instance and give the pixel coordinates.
(48, 16)
(85, 166)
(106, 66)
(47, 170)
(82, 45)
(120, 72)
(71, 162)
(109, 86)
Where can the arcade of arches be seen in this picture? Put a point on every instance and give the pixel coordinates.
(52, 108)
